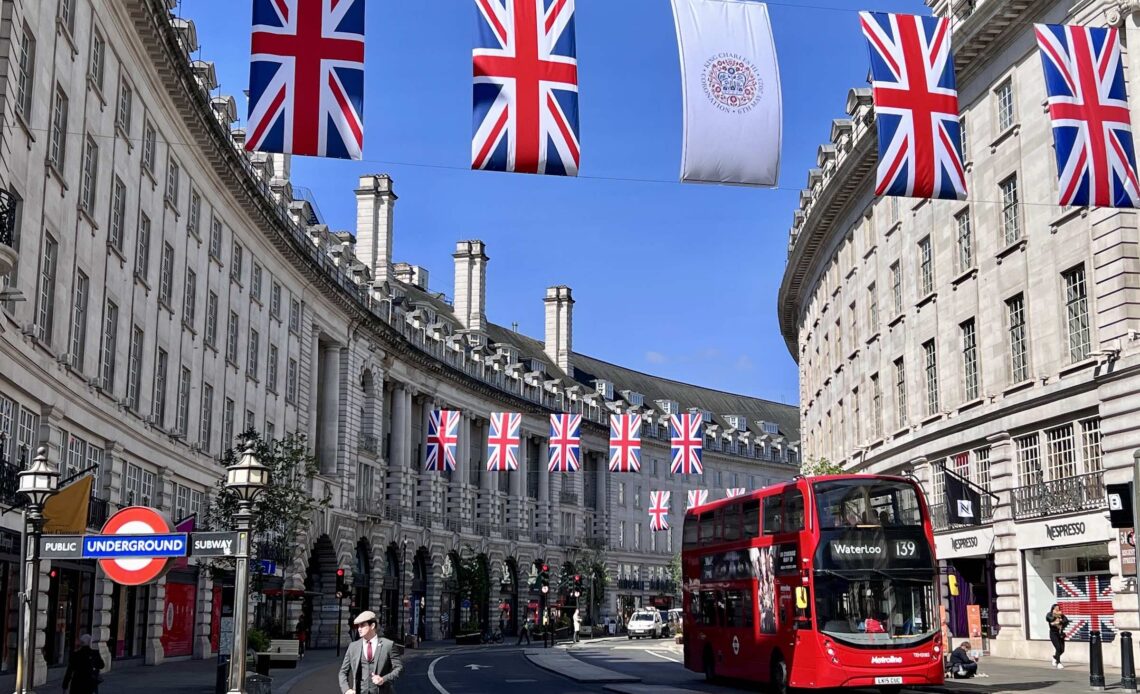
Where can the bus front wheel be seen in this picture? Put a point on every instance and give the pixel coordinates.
(710, 666)
(778, 681)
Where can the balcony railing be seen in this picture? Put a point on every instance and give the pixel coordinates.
(1066, 495)
(369, 444)
(939, 515)
(542, 537)
(98, 511)
(9, 482)
(7, 218)
(568, 498)
(630, 584)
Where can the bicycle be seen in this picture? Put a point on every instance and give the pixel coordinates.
(495, 636)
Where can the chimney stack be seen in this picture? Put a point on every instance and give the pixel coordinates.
(559, 326)
(471, 285)
(374, 203)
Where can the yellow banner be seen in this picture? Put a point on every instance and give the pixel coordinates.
(66, 512)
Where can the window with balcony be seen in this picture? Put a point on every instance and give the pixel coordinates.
(1077, 313)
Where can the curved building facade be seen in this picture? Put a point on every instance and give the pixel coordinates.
(163, 291)
(995, 337)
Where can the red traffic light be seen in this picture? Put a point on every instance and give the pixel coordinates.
(545, 567)
(340, 573)
(577, 577)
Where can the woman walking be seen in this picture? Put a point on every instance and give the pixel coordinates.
(1057, 623)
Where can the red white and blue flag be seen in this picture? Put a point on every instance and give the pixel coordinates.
(1087, 602)
(659, 511)
(687, 441)
(442, 440)
(734, 491)
(306, 78)
(565, 442)
(698, 497)
(916, 106)
(525, 94)
(503, 441)
(625, 443)
(1088, 104)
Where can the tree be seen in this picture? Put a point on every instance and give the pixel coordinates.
(675, 571)
(282, 512)
(592, 565)
(820, 466)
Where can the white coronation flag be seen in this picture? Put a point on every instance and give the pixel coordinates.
(730, 84)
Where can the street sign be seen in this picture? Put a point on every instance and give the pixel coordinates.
(61, 547)
(134, 546)
(138, 569)
(466, 604)
(268, 566)
(213, 544)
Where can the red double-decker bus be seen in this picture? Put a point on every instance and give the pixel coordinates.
(816, 583)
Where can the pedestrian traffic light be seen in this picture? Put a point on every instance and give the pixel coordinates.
(578, 582)
(341, 585)
(544, 578)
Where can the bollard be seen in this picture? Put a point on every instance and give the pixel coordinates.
(1127, 665)
(1096, 662)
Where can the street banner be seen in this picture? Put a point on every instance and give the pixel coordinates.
(963, 505)
(730, 86)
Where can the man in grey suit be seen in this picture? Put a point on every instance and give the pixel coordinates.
(371, 663)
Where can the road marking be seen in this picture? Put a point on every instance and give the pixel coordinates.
(519, 681)
(476, 668)
(662, 657)
(431, 676)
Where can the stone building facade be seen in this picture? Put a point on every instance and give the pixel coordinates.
(996, 336)
(164, 291)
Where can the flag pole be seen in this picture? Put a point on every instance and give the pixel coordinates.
(969, 483)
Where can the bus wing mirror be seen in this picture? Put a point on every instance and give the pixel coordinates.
(801, 598)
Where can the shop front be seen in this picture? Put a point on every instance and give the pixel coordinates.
(71, 587)
(128, 620)
(10, 589)
(179, 613)
(966, 558)
(1066, 561)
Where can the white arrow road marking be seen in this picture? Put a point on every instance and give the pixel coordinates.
(662, 657)
(431, 676)
(475, 667)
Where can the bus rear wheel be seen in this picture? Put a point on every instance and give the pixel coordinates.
(778, 679)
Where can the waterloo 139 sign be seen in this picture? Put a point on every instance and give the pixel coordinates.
(137, 547)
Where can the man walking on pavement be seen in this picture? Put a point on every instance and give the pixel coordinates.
(524, 633)
(371, 663)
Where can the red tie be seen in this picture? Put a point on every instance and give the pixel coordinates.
(368, 653)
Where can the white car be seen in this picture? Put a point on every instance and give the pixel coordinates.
(646, 623)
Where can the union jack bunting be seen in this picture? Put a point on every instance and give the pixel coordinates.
(687, 440)
(1087, 601)
(565, 439)
(503, 441)
(1092, 134)
(916, 106)
(697, 497)
(526, 87)
(442, 440)
(734, 491)
(659, 511)
(625, 443)
(306, 78)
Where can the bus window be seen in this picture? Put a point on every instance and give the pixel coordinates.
(690, 536)
(793, 510)
(706, 526)
(771, 515)
(732, 522)
(738, 608)
(718, 525)
(751, 518)
(708, 608)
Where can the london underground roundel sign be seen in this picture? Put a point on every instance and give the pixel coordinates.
(136, 521)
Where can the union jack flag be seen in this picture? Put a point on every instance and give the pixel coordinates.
(916, 106)
(1092, 134)
(503, 441)
(565, 440)
(687, 443)
(625, 443)
(306, 78)
(659, 511)
(526, 87)
(442, 440)
(734, 491)
(697, 497)
(1086, 601)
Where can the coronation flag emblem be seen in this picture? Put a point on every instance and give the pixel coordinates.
(625, 443)
(565, 440)
(659, 511)
(698, 497)
(306, 78)
(442, 440)
(503, 442)
(686, 440)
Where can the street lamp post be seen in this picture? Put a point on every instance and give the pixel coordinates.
(37, 483)
(245, 478)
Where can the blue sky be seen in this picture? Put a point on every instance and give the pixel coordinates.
(677, 280)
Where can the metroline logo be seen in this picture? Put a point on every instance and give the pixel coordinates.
(886, 660)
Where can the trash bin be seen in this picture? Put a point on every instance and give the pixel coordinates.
(262, 667)
(258, 684)
(222, 680)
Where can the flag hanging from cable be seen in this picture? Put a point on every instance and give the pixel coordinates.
(442, 440)
(306, 78)
(734, 491)
(1088, 106)
(916, 106)
(730, 88)
(503, 441)
(625, 443)
(686, 440)
(525, 95)
(565, 441)
(698, 497)
(659, 511)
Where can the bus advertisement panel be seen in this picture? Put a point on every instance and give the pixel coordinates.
(817, 583)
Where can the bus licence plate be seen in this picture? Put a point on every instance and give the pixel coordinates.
(888, 680)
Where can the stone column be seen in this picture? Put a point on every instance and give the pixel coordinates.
(328, 422)
(155, 604)
(1007, 571)
(101, 619)
(41, 622)
(516, 498)
(543, 516)
(205, 610)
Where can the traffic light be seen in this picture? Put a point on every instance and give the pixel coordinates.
(544, 578)
(341, 585)
(578, 582)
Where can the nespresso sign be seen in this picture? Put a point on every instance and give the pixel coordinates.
(1060, 530)
(960, 543)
